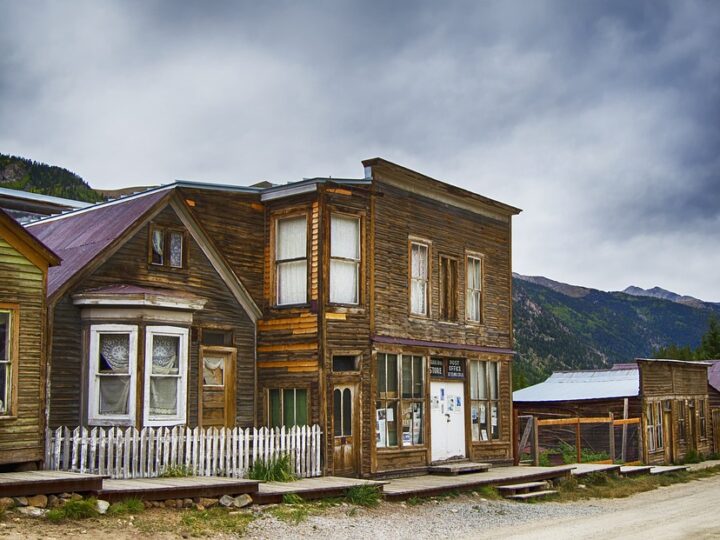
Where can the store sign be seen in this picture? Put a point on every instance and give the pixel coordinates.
(455, 368)
(437, 367)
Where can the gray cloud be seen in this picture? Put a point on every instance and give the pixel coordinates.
(598, 118)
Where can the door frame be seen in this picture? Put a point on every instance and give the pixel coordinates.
(230, 377)
(353, 382)
(462, 384)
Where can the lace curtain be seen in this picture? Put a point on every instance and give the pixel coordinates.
(114, 374)
(418, 293)
(176, 250)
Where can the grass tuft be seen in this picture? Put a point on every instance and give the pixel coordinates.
(292, 498)
(74, 510)
(274, 470)
(291, 514)
(215, 520)
(364, 495)
(176, 471)
(128, 506)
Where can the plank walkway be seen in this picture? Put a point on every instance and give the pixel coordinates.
(662, 469)
(582, 469)
(428, 485)
(19, 484)
(158, 489)
(311, 488)
(634, 470)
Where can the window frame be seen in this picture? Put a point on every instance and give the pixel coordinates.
(281, 392)
(400, 401)
(654, 426)
(488, 401)
(427, 244)
(182, 376)
(13, 354)
(278, 262)
(94, 416)
(357, 262)
(702, 419)
(443, 294)
(480, 258)
(167, 232)
(682, 421)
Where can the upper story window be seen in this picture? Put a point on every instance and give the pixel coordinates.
(448, 289)
(167, 247)
(291, 260)
(344, 260)
(419, 270)
(474, 300)
(8, 342)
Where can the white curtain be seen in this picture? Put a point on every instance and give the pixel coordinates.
(291, 239)
(165, 354)
(418, 297)
(419, 279)
(493, 376)
(163, 396)
(164, 380)
(176, 250)
(214, 371)
(345, 244)
(345, 237)
(292, 282)
(158, 245)
(114, 352)
(344, 282)
(114, 392)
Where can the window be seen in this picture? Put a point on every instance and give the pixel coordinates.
(342, 412)
(166, 352)
(344, 260)
(167, 247)
(217, 338)
(419, 278)
(473, 301)
(288, 407)
(448, 289)
(485, 400)
(702, 421)
(113, 369)
(400, 389)
(345, 363)
(8, 342)
(681, 419)
(291, 260)
(653, 419)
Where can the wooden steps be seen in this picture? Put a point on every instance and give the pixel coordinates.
(459, 467)
(525, 490)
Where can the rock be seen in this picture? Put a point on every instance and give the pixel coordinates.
(53, 501)
(199, 507)
(208, 503)
(6, 502)
(241, 501)
(179, 504)
(20, 501)
(102, 506)
(38, 501)
(187, 503)
(226, 501)
(170, 503)
(31, 511)
(65, 495)
(76, 497)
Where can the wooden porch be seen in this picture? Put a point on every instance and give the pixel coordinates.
(311, 488)
(160, 489)
(20, 484)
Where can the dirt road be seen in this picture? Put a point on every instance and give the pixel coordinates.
(689, 510)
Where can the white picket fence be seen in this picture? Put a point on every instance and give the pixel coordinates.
(146, 453)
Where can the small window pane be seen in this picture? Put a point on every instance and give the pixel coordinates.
(301, 407)
(114, 353)
(381, 375)
(474, 376)
(347, 412)
(407, 386)
(218, 338)
(412, 423)
(419, 261)
(337, 413)
(176, 250)
(343, 282)
(292, 282)
(163, 396)
(291, 238)
(482, 381)
(345, 363)
(214, 371)
(391, 416)
(275, 409)
(493, 376)
(114, 392)
(5, 378)
(158, 246)
(345, 237)
(418, 377)
(392, 376)
(166, 355)
(4, 335)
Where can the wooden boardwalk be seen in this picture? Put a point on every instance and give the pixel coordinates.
(18, 484)
(311, 488)
(158, 489)
(582, 469)
(428, 485)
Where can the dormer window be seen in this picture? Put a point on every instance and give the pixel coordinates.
(167, 247)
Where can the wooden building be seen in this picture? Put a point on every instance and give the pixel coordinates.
(379, 308)
(24, 263)
(670, 397)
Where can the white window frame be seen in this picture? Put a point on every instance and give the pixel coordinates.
(475, 291)
(9, 362)
(280, 262)
(181, 417)
(356, 261)
(94, 416)
(425, 281)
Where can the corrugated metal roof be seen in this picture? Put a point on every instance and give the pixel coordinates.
(714, 374)
(78, 237)
(581, 385)
(39, 197)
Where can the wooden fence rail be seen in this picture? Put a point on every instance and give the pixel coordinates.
(149, 452)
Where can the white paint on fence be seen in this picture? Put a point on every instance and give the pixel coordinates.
(146, 453)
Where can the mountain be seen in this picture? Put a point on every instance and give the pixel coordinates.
(27, 175)
(657, 292)
(563, 327)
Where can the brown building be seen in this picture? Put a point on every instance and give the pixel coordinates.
(24, 263)
(669, 396)
(379, 308)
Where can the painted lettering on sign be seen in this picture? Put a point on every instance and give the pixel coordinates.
(437, 367)
(455, 368)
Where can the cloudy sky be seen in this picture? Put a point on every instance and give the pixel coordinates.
(600, 119)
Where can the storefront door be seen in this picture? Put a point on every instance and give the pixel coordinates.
(344, 447)
(447, 420)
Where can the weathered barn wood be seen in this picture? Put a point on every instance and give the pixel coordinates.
(24, 263)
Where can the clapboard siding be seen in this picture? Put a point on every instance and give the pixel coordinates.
(22, 285)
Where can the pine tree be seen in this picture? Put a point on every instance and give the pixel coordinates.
(710, 344)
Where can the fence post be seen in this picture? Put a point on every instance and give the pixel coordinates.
(624, 431)
(536, 442)
(612, 437)
(577, 440)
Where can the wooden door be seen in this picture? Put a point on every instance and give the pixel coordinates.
(217, 387)
(447, 420)
(345, 438)
(669, 441)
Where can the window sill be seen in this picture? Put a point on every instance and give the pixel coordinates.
(400, 450)
(8, 418)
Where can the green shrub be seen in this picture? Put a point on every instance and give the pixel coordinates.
(292, 498)
(176, 471)
(364, 495)
(128, 506)
(83, 509)
(274, 470)
(692, 456)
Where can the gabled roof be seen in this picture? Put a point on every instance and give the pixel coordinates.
(714, 374)
(83, 236)
(16, 235)
(583, 385)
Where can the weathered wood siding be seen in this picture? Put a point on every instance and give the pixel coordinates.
(581, 408)
(23, 284)
(129, 266)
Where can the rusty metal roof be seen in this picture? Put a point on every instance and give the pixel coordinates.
(80, 236)
(582, 385)
(714, 374)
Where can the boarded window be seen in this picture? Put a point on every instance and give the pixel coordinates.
(6, 361)
(473, 299)
(419, 270)
(485, 400)
(288, 407)
(448, 289)
(344, 260)
(291, 260)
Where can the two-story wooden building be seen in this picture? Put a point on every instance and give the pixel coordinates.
(378, 307)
